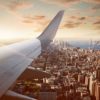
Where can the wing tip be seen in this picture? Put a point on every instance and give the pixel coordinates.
(49, 33)
(61, 11)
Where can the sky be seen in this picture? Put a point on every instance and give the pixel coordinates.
(28, 18)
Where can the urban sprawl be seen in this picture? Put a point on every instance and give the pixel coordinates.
(62, 72)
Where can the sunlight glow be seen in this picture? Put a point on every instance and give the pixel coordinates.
(6, 34)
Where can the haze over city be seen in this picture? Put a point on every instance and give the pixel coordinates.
(24, 19)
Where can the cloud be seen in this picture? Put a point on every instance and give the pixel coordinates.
(97, 22)
(96, 25)
(74, 21)
(38, 22)
(61, 2)
(17, 5)
(78, 18)
(5, 8)
(70, 2)
(31, 19)
(39, 17)
(40, 25)
(92, 1)
(73, 17)
(96, 7)
(13, 7)
(71, 24)
(27, 21)
(82, 18)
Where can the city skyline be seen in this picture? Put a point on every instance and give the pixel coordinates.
(28, 18)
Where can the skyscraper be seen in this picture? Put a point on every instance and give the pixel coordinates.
(98, 73)
(97, 91)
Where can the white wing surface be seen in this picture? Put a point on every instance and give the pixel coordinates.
(15, 58)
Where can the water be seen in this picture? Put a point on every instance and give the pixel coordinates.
(82, 44)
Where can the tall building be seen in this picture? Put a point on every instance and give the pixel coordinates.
(98, 73)
(81, 78)
(92, 84)
(87, 80)
(97, 91)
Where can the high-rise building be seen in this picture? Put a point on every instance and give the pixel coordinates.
(98, 73)
(87, 80)
(81, 78)
(92, 84)
(97, 91)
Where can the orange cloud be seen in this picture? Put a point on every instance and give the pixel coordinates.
(82, 18)
(71, 24)
(69, 2)
(78, 18)
(17, 5)
(38, 22)
(30, 19)
(97, 23)
(27, 21)
(92, 1)
(62, 2)
(73, 17)
(97, 27)
(41, 25)
(39, 17)
(96, 7)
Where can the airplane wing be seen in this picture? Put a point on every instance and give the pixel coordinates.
(15, 58)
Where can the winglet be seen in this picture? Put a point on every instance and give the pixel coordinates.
(49, 33)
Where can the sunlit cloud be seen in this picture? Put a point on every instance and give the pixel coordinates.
(32, 19)
(38, 22)
(74, 22)
(98, 22)
(14, 7)
(41, 25)
(78, 18)
(73, 17)
(82, 18)
(29, 17)
(27, 21)
(96, 7)
(71, 24)
(64, 3)
(98, 28)
(18, 5)
(97, 25)
(92, 1)
(38, 17)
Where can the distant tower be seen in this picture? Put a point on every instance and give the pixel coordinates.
(90, 44)
(98, 73)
